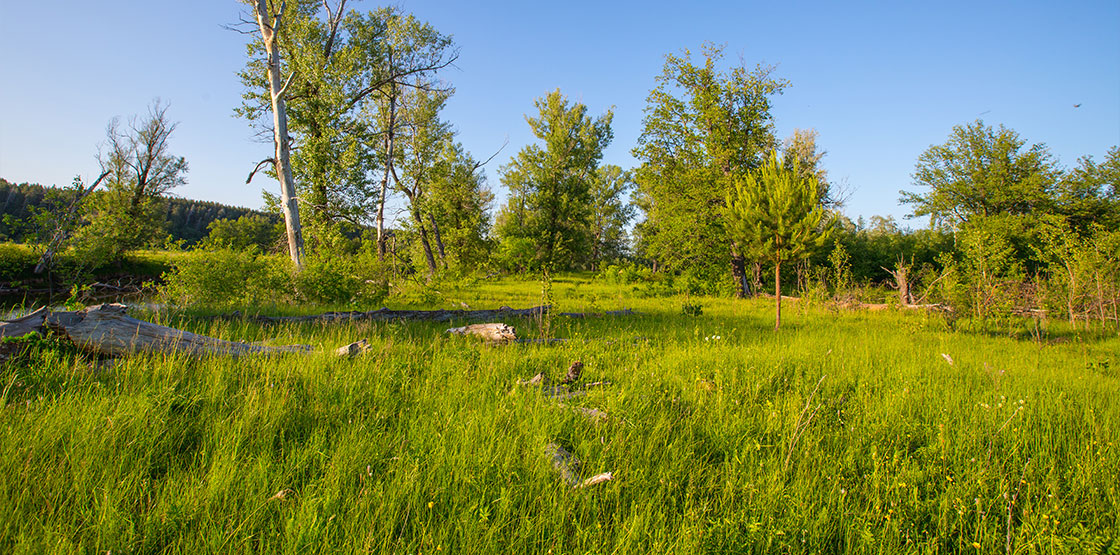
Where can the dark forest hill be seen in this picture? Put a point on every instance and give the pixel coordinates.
(188, 219)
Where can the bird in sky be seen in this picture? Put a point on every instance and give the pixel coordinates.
(1078, 105)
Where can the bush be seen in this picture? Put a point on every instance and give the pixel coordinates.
(227, 278)
(16, 262)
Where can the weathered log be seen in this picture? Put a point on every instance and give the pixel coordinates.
(623, 312)
(353, 349)
(387, 315)
(564, 463)
(106, 329)
(496, 332)
(22, 326)
(465, 315)
(568, 467)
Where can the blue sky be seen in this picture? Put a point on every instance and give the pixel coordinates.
(879, 81)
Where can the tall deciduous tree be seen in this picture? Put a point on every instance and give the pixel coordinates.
(550, 185)
(704, 129)
(982, 171)
(343, 68)
(270, 20)
(611, 211)
(458, 207)
(1090, 193)
(776, 213)
(140, 170)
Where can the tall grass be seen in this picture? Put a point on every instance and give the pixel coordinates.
(843, 432)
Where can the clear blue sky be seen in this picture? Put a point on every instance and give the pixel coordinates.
(879, 81)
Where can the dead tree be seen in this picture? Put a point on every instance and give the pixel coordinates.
(270, 25)
(64, 225)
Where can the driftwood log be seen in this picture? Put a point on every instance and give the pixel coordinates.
(387, 315)
(105, 329)
(493, 332)
(567, 465)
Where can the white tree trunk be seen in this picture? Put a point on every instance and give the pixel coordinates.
(268, 26)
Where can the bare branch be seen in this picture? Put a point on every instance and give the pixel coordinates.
(333, 19)
(286, 83)
(492, 156)
(258, 168)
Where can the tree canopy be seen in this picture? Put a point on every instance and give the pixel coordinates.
(982, 171)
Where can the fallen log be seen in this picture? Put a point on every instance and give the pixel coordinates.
(106, 329)
(22, 326)
(493, 332)
(388, 315)
(565, 464)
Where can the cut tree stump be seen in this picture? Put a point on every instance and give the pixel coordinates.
(496, 332)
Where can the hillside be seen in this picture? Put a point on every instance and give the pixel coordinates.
(188, 219)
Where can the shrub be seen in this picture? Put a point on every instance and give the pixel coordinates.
(227, 278)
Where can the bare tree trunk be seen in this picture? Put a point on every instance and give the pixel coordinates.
(439, 240)
(62, 228)
(288, 202)
(389, 139)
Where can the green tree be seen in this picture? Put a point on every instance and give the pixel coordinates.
(1090, 193)
(982, 171)
(776, 213)
(704, 129)
(338, 69)
(458, 208)
(130, 213)
(611, 211)
(422, 142)
(550, 184)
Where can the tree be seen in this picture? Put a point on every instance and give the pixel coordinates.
(982, 171)
(776, 213)
(140, 169)
(550, 186)
(611, 211)
(458, 208)
(704, 129)
(421, 146)
(1090, 193)
(270, 20)
(345, 72)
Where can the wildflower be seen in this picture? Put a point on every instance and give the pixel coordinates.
(431, 504)
(976, 545)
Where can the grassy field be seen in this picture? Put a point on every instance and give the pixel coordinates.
(846, 431)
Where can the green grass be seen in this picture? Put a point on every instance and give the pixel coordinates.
(843, 432)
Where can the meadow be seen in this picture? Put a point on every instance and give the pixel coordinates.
(847, 431)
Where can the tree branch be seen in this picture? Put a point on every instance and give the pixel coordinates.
(258, 168)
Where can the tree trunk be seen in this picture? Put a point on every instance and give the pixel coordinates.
(778, 294)
(62, 229)
(389, 137)
(439, 240)
(739, 273)
(427, 248)
(280, 133)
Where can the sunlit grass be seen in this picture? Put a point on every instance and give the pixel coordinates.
(843, 432)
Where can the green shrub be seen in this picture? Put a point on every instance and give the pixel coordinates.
(16, 262)
(228, 278)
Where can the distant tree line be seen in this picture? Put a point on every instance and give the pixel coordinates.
(187, 221)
